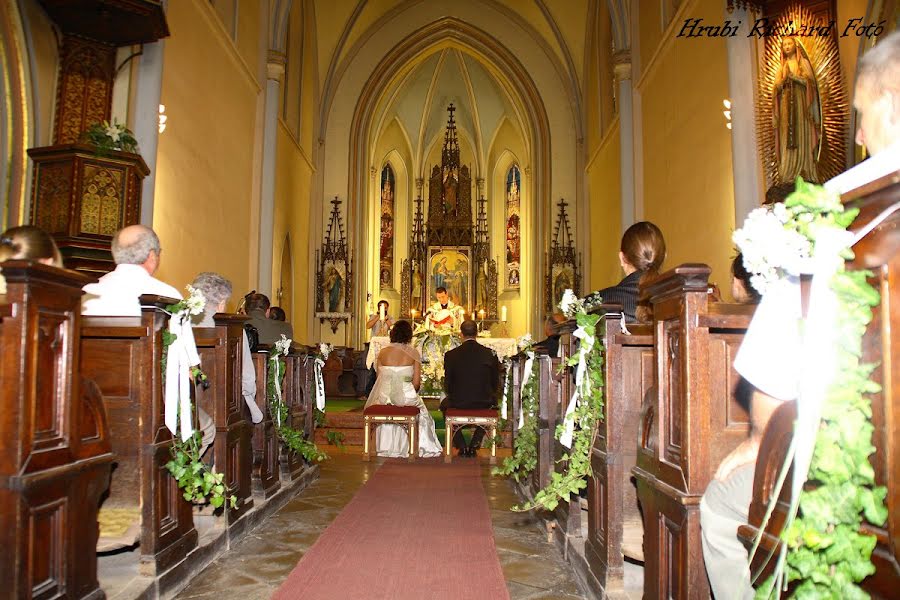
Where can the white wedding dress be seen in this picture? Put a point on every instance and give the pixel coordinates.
(394, 386)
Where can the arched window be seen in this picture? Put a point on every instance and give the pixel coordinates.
(386, 253)
(513, 227)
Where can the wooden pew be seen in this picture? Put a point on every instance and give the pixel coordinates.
(548, 406)
(613, 511)
(266, 481)
(691, 423)
(55, 455)
(220, 353)
(568, 514)
(877, 252)
(301, 407)
(122, 356)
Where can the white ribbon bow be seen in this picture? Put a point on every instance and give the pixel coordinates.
(276, 367)
(526, 376)
(503, 411)
(320, 384)
(582, 387)
(182, 355)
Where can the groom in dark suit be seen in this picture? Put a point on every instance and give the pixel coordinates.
(471, 380)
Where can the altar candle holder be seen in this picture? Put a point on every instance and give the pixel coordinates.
(481, 316)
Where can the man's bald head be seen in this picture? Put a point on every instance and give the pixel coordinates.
(136, 245)
(877, 95)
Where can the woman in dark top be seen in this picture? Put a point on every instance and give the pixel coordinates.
(641, 254)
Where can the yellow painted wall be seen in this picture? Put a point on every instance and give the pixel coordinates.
(204, 179)
(292, 209)
(44, 67)
(687, 170)
(604, 193)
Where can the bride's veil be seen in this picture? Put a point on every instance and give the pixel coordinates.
(388, 388)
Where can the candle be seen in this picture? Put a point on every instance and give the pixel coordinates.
(412, 314)
(481, 314)
(381, 312)
(503, 313)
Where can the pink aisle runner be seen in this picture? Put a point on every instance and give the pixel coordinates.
(414, 531)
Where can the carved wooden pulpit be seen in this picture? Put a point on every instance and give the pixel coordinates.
(78, 196)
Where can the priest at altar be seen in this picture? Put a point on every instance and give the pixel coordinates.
(444, 314)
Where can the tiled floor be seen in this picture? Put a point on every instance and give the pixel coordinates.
(254, 569)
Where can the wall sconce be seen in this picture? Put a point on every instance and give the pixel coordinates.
(727, 112)
(162, 118)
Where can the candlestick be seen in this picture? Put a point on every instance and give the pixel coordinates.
(503, 313)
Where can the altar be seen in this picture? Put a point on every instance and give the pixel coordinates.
(503, 347)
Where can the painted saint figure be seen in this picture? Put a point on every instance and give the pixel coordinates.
(332, 290)
(481, 285)
(416, 287)
(796, 114)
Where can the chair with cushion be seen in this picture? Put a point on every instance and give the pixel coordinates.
(379, 414)
(455, 418)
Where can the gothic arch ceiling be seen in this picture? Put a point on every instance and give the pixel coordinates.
(559, 26)
(419, 100)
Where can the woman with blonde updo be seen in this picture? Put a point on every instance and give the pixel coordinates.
(28, 242)
(641, 254)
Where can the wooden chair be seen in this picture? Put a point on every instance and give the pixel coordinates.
(454, 418)
(404, 416)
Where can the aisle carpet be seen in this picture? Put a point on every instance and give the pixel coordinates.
(415, 530)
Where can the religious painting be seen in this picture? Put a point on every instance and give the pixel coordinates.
(334, 287)
(513, 227)
(802, 106)
(450, 268)
(563, 279)
(386, 252)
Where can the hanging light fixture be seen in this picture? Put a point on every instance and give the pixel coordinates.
(162, 118)
(727, 112)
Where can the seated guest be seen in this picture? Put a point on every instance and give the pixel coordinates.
(135, 250)
(217, 290)
(641, 254)
(726, 503)
(28, 243)
(550, 344)
(270, 331)
(471, 380)
(741, 289)
(276, 313)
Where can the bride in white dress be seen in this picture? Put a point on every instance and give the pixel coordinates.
(399, 368)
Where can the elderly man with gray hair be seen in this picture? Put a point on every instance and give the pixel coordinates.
(136, 251)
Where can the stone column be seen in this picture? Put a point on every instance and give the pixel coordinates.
(274, 71)
(742, 68)
(146, 120)
(622, 70)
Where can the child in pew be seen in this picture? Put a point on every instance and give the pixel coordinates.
(217, 290)
(28, 243)
(641, 254)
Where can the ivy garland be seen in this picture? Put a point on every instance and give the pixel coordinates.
(198, 481)
(826, 551)
(587, 413)
(292, 438)
(524, 458)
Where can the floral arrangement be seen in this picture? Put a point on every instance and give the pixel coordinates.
(825, 549)
(325, 349)
(199, 482)
(319, 359)
(432, 345)
(292, 438)
(109, 137)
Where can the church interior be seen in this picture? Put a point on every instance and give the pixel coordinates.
(453, 166)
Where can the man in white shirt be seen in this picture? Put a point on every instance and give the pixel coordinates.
(136, 251)
(726, 502)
